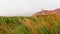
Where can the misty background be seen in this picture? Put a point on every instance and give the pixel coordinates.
(26, 7)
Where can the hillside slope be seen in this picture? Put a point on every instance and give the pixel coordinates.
(44, 24)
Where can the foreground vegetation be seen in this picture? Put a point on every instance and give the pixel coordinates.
(44, 24)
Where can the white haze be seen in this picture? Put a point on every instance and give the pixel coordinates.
(26, 7)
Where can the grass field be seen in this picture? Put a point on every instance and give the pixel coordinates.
(43, 24)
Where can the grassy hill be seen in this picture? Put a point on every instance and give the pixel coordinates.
(43, 24)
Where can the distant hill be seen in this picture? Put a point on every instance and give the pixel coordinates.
(48, 12)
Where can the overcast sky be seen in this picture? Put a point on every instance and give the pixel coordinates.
(26, 7)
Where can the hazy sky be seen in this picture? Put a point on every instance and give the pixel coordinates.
(26, 7)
